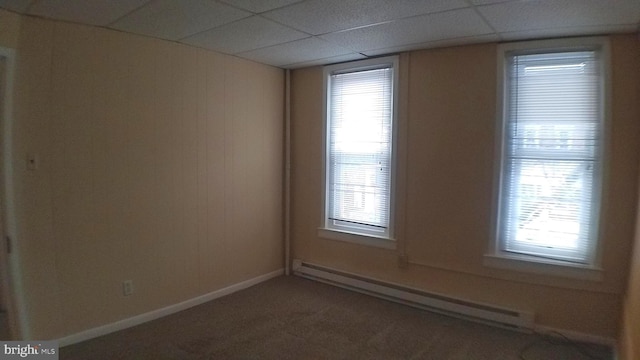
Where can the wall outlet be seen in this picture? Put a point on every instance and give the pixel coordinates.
(127, 287)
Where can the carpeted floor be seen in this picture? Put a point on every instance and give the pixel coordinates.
(294, 318)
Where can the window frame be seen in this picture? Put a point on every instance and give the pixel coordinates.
(352, 235)
(497, 256)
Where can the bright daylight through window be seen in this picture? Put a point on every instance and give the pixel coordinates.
(551, 154)
(359, 166)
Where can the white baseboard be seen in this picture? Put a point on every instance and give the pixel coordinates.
(171, 309)
(578, 336)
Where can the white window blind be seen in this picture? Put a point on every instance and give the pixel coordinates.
(550, 196)
(359, 145)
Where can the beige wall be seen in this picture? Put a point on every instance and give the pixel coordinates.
(630, 331)
(445, 227)
(9, 28)
(158, 163)
(630, 327)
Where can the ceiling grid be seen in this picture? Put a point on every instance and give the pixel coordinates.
(298, 33)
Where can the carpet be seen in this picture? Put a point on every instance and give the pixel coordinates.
(295, 318)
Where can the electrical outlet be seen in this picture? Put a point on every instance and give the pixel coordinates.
(127, 287)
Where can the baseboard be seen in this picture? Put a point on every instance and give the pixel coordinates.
(578, 336)
(171, 309)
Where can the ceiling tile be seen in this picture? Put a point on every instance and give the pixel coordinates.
(331, 60)
(295, 52)
(94, 12)
(413, 30)
(325, 16)
(435, 44)
(177, 19)
(345, 29)
(247, 34)
(15, 5)
(562, 32)
(547, 14)
(258, 6)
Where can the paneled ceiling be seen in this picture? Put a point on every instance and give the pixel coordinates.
(298, 33)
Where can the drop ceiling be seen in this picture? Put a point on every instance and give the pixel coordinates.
(298, 33)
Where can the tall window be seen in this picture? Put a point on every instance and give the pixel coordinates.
(552, 150)
(359, 161)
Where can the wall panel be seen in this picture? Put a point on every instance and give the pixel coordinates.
(159, 164)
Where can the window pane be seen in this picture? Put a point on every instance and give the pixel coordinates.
(549, 207)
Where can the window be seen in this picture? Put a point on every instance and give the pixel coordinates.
(551, 154)
(359, 166)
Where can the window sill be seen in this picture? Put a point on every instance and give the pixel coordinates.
(543, 267)
(369, 240)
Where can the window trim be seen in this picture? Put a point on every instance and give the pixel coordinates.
(496, 257)
(387, 241)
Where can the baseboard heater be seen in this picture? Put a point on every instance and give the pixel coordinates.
(488, 314)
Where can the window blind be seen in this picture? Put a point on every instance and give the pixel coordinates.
(552, 155)
(359, 150)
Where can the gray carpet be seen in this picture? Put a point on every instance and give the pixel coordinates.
(294, 318)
